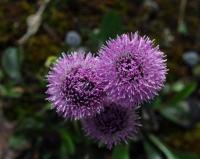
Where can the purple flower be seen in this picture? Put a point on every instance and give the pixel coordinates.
(74, 87)
(113, 125)
(132, 69)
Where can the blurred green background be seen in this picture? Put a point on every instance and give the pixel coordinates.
(34, 32)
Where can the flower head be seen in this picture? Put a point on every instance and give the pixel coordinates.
(132, 69)
(113, 125)
(74, 88)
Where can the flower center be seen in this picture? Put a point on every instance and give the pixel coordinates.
(129, 68)
(111, 120)
(80, 91)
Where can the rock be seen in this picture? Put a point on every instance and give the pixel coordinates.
(73, 39)
(191, 58)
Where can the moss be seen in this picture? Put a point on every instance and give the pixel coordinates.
(186, 141)
(37, 49)
(13, 20)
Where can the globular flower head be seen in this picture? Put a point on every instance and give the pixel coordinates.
(113, 125)
(135, 69)
(74, 87)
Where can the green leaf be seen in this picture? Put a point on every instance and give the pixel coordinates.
(63, 152)
(151, 151)
(186, 92)
(50, 60)
(68, 143)
(182, 28)
(121, 152)
(1, 74)
(166, 151)
(178, 86)
(17, 142)
(111, 25)
(156, 103)
(186, 155)
(166, 89)
(196, 70)
(11, 62)
(178, 113)
(47, 156)
(162, 147)
(9, 92)
(3, 90)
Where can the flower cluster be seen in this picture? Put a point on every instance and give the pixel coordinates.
(104, 92)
